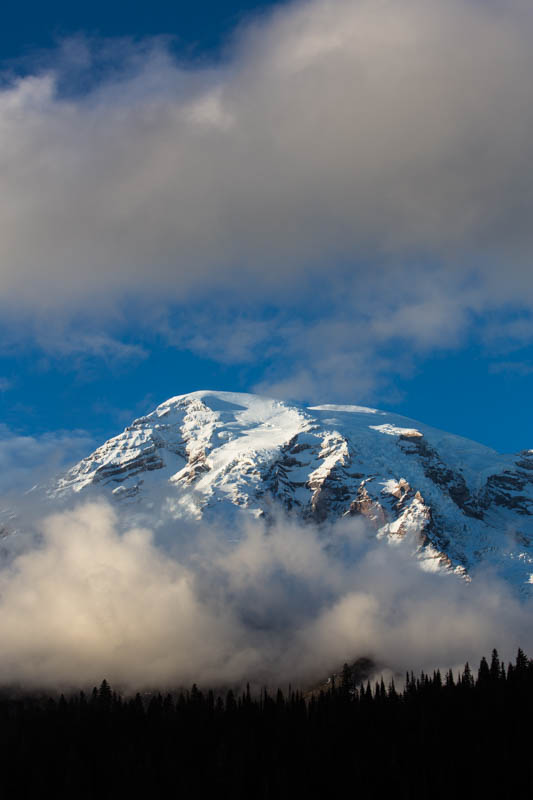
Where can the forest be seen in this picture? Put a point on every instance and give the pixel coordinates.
(441, 736)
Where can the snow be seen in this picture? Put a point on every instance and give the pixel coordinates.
(394, 430)
(212, 454)
(348, 409)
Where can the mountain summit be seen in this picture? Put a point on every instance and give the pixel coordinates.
(209, 455)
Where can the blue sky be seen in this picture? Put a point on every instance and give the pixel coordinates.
(198, 29)
(319, 201)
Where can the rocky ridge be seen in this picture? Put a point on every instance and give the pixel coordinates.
(208, 455)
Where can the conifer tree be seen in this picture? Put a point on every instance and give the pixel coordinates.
(231, 704)
(483, 675)
(467, 679)
(346, 679)
(495, 666)
(521, 662)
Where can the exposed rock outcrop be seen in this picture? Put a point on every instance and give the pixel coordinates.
(210, 453)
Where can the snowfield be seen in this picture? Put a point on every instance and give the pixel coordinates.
(211, 455)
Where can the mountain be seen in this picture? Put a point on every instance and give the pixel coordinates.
(210, 455)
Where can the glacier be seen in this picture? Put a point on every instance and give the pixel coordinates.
(212, 455)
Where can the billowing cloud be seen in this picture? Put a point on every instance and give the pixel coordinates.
(364, 162)
(221, 607)
(336, 132)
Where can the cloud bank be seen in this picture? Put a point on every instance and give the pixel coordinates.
(335, 130)
(361, 167)
(268, 607)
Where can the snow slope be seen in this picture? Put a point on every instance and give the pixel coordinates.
(207, 455)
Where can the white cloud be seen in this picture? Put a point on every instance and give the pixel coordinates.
(367, 161)
(285, 604)
(337, 129)
(100, 345)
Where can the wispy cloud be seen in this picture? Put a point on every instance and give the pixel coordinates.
(100, 345)
(225, 335)
(520, 368)
(25, 460)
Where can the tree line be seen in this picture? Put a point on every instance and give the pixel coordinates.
(441, 736)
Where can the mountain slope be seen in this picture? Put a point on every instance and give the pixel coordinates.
(208, 455)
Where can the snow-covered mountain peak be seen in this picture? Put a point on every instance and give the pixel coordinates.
(212, 454)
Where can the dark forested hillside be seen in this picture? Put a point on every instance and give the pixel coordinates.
(443, 736)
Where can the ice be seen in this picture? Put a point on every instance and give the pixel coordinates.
(394, 430)
(212, 454)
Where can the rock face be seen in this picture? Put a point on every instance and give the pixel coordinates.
(209, 455)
